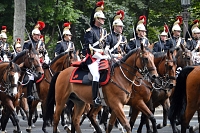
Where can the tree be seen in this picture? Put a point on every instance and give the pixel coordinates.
(19, 20)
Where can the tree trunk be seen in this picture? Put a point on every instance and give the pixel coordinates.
(19, 20)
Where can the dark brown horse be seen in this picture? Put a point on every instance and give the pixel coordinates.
(166, 67)
(185, 100)
(59, 63)
(116, 92)
(9, 75)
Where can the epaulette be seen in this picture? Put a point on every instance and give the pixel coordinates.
(89, 29)
(155, 42)
(132, 39)
(168, 39)
(190, 39)
(58, 41)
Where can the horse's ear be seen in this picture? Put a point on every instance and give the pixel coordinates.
(11, 64)
(21, 65)
(142, 46)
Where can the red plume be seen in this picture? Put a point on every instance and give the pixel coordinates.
(122, 14)
(41, 25)
(180, 18)
(3, 27)
(66, 24)
(18, 39)
(143, 17)
(195, 21)
(166, 29)
(100, 3)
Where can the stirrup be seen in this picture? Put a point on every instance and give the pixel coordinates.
(97, 102)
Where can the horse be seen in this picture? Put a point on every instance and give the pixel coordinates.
(124, 73)
(9, 75)
(59, 63)
(185, 100)
(166, 67)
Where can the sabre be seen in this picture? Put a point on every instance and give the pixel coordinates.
(187, 30)
(29, 37)
(170, 35)
(59, 32)
(160, 42)
(134, 34)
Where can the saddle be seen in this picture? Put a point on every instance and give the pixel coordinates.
(82, 75)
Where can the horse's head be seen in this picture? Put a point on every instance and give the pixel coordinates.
(170, 70)
(11, 78)
(32, 61)
(145, 64)
(183, 56)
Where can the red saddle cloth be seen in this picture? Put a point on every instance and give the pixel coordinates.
(82, 75)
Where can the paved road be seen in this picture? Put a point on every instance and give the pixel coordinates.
(87, 129)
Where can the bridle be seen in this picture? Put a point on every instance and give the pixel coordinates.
(7, 81)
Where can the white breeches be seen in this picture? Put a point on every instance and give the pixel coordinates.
(94, 69)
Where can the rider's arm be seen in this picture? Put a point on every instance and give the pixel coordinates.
(58, 48)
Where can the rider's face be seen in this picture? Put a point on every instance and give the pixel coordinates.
(36, 37)
(118, 29)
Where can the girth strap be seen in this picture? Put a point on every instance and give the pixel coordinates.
(128, 93)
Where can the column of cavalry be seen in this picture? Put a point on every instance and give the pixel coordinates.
(134, 76)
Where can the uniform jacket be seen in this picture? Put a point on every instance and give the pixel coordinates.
(112, 40)
(63, 46)
(136, 42)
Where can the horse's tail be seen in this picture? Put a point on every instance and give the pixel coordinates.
(51, 98)
(178, 100)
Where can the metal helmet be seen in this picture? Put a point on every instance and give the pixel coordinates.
(3, 35)
(165, 32)
(66, 30)
(18, 45)
(195, 28)
(99, 14)
(141, 23)
(118, 18)
(177, 23)
(38, 27)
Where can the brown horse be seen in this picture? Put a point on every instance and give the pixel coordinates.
(185, 100)
(166, 67)
(116, 92)
(9, 75)
(59, 63)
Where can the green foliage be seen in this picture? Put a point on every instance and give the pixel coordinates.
(57, 12)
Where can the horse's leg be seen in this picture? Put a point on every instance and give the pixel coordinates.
(32, 107)
(189, 112)
(111, 123)
(118, 110)
(36, 115)
(104, 116)
(92, 117)
(62, 116)
(4, 118)
(79, 107)
(165, 112)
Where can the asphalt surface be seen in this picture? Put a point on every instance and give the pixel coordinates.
(86, 128)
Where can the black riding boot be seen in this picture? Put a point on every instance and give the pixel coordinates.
(29, 90)
(95, 91)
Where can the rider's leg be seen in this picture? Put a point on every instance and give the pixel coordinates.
(29, 90)
(94, 69)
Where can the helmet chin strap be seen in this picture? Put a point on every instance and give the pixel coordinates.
(99, 21)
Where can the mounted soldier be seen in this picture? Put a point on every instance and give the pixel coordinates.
(94, 47)
(65, 44)
(141, 35)
(17, 48)
(4, 47)
(160, 45)
(116, 42)
(34, 40)
(193, 43)
(175, 40)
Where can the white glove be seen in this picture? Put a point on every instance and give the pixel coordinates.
(5, 58)
(47, 60)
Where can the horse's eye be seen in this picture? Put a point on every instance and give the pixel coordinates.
(146, 59)
(170, 67)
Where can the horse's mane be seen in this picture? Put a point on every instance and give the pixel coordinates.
(129, 54)
(19, 55)
(16, 68)
(57, 57)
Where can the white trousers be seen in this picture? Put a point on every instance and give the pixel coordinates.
(94, 69)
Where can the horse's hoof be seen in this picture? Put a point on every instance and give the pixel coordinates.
(63, 123)
(44, 130)
(67, 129)
(33, 126)
(159, 126)
(149, 131)
(28, 130)
(34, 120)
